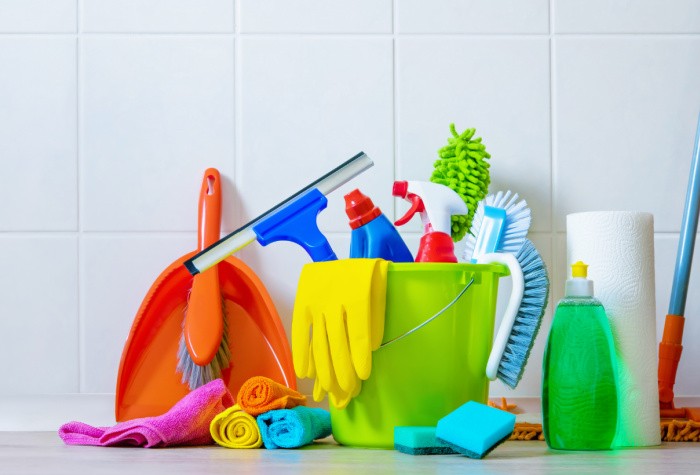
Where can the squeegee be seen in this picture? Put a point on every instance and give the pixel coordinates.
(294, 219)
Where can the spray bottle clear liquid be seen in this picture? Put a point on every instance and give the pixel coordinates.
(579, 386)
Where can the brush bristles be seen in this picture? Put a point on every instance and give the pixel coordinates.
(529, 318)
(195, 375)
(516, 226)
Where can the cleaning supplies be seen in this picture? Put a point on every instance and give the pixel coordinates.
(671, 347)
(186, 423)
(500, 228)
(579, 388)
(619, 248)
(235, 429)
(501, 223)
(260, 394)
(463, 167)
(148, 383)
(204, 348)
(430, 372)
(419, 441)
(522, 317)
(436, 205)
(294, 219)
(295, 427)
(338, 320)
(475, 429)
(373, 235)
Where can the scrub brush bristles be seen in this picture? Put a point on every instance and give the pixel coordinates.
(195, 375)
(463, 167)
(516, 226)
(529, 318)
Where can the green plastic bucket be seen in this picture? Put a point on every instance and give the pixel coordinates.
(419, 377)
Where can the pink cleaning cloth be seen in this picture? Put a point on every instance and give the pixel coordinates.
(186, 423)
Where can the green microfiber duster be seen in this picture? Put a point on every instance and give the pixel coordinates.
(419, 440)
(463, 167)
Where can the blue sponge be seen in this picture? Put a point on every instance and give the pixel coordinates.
(475, 429)
(419, 440)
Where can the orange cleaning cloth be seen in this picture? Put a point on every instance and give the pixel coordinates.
(260, 394)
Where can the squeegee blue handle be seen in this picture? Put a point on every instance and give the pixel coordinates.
(689, 228)
(296, 222)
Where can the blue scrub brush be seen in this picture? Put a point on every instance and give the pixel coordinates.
(499, 235)
(501, 223)
(529, 318)
(523, 315)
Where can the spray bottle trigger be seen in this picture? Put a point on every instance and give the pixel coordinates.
(417, 206)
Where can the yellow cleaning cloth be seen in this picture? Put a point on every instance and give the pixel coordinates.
(338, 321)
(235, 429)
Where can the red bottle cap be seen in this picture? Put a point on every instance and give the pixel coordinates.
(436, 247)
(360, 209)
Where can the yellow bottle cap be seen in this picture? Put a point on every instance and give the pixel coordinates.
(579, 269)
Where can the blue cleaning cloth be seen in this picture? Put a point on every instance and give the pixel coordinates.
(295, 427)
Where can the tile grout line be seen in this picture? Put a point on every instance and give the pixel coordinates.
(553, 239)
(79, 195)
(237, 106)
(355, 35)
(395, 96)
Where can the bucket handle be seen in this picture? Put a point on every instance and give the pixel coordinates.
(444, 309)
(511, 311)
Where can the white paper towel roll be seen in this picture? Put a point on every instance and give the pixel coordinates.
(618, 247)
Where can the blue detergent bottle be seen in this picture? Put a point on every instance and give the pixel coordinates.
(373, 235)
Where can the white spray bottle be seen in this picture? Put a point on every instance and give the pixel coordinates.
(436, 204)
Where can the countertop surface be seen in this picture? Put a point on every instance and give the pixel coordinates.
(44, 453)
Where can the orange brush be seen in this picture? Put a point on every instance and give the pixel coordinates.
(204, 350)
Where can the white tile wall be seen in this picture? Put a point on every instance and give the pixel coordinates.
(110, 111)
(473, 16)
(112, 267)
(38, 134)
(38, 16)
(435, 86)
(162, 16)
(39, 307)
(338, 91)
(624, 106)
(155, 112)
(315, 16)
(637, 16)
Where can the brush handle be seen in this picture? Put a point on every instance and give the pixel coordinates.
(209, 226)
(204, 320)
(516, 297)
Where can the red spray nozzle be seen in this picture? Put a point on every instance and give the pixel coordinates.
(360, 208)
(400, 189)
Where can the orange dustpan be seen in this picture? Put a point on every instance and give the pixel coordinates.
(148, 383)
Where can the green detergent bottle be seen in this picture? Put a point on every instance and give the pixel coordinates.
(579, 386)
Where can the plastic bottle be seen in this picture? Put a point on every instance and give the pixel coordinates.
(579, 386)
(436, 204)
(373, 235)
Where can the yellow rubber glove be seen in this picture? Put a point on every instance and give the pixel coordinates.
(338, 321)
